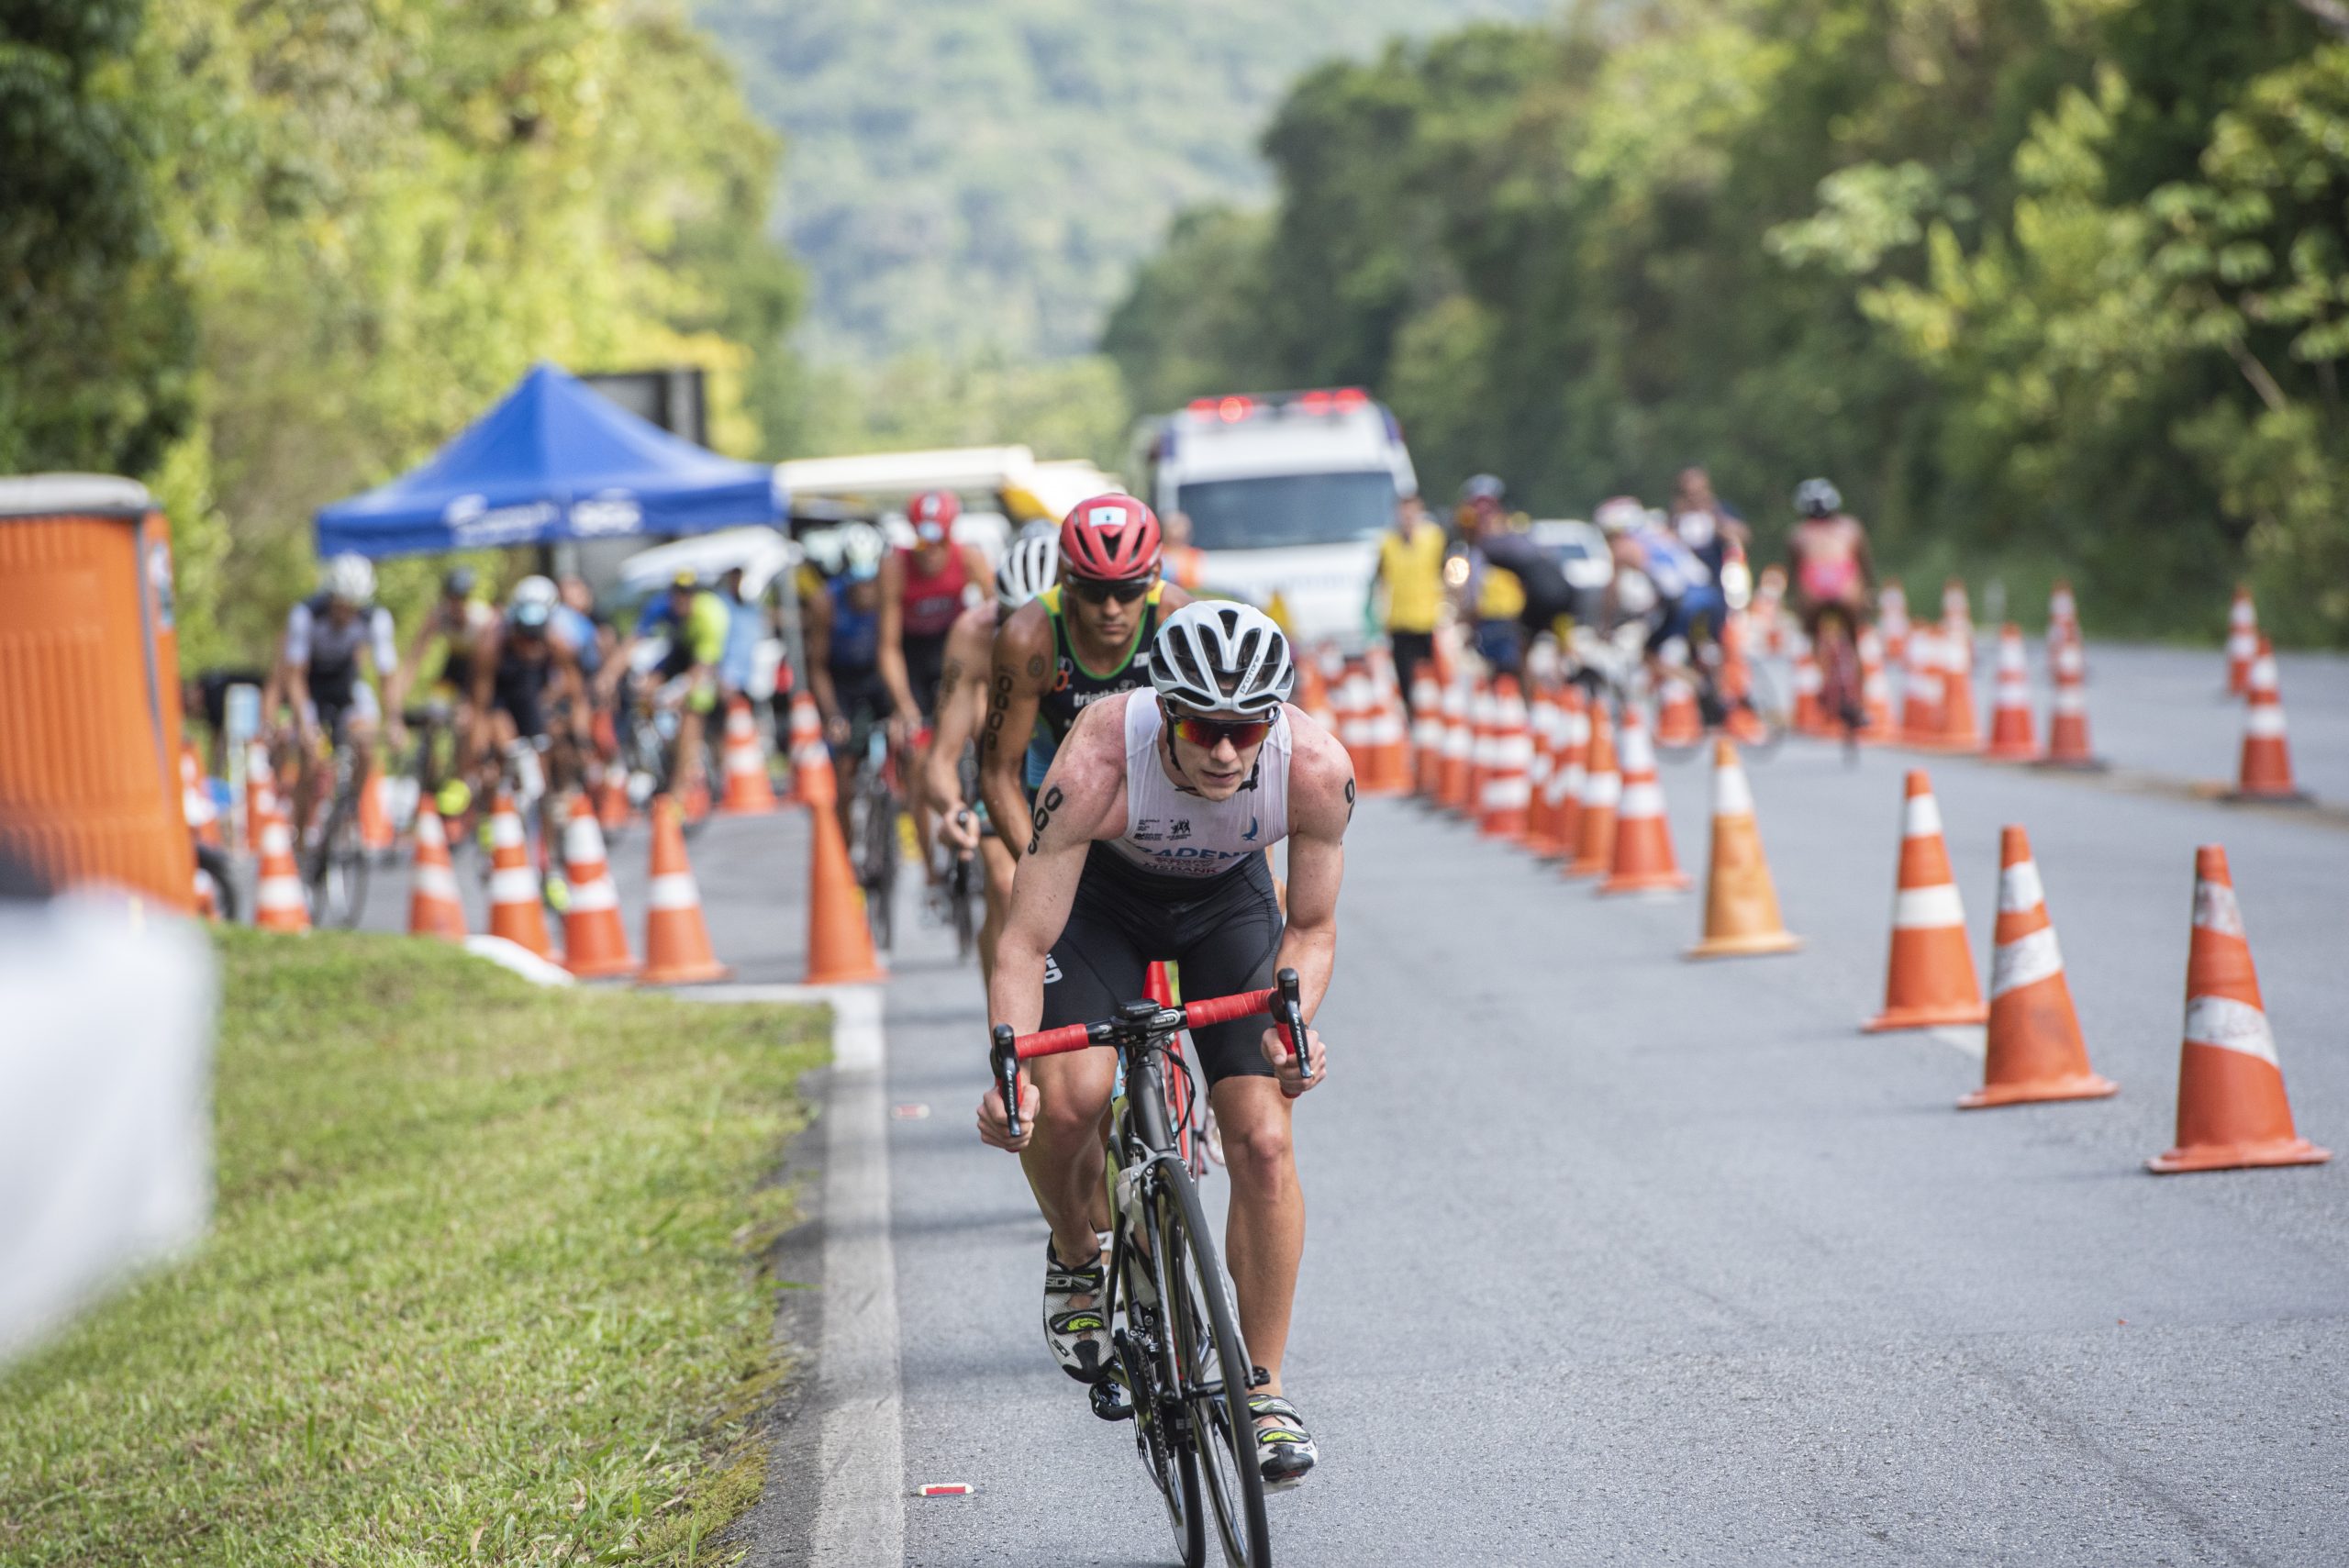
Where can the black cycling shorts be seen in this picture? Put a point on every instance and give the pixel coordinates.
(925, 668)
(1224, 931)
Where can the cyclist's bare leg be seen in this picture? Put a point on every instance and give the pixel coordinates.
(998, 889)
(1264, 1229)
(689, 760)
(1063, 1160)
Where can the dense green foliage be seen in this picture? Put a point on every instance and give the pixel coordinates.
(481, 1286)
(310, 240)
(967, 177)
(2053, 285)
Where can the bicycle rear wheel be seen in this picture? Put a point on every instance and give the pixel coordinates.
(1212, 1371)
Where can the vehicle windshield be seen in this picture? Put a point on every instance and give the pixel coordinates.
(1288, 509)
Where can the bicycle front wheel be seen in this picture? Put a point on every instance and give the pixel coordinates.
(1212, 1371)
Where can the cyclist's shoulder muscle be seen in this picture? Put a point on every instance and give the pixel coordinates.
(1089, 774)
(1024, 646)
(1321, 778)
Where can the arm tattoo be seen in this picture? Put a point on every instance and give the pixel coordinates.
(948, 679)
(1036, 668)
(998, 703)
(1044, 809)
(1350, 801)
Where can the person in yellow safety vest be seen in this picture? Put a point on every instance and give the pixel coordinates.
(1409, 578)
(1495, 596)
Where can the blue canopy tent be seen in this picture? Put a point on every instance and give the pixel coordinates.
(554, 460)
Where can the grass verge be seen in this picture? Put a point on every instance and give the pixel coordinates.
(481, 1287)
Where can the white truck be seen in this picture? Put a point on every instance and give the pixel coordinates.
(1283, 494)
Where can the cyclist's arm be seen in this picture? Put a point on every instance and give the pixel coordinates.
(384, 653)
(395, 690)
(1321, 800)
(816, 642)
(294, 665)
(486, 648)
(1866, 560)
(570, 681)
(892, 657)
(1021, 667)
(969, 656)
(1082, 799)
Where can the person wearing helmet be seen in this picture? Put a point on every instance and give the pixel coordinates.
(841, 629)
(1513, 589)
(1833, 579)
(923, 589)
(458, 621)
(1148, 843)
(694, 621)
(529, 692)
(318, 676)
(950, 771)
(1646, 550)
(1082, 639)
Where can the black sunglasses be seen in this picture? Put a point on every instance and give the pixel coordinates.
(1094, 592)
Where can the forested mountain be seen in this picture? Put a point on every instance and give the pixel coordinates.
(973, 174)
(2057, 285)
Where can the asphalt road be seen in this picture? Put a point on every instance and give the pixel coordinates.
(1615, 1258)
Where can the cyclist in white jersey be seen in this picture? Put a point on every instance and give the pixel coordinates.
(1149, 842)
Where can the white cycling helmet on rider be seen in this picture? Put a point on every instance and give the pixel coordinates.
(1619, 514)
(1216, 657)
(348, 577)
(1030, 566)
(863, 545)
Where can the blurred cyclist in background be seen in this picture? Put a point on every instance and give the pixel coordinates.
(317, 678)
(1715, 535)
(530, 707)
(923, 589)
(693, 620)
(1535, 596)
(1831, 576)
(842, 634)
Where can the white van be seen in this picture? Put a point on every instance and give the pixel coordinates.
(1287, 493)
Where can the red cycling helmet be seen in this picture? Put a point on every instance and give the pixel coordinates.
(934, 509)
(1110, 539)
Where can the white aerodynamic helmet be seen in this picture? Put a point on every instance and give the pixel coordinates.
(862, 545)
(1030, 566)
(1214, 656)
(348, 577)
(534, 590)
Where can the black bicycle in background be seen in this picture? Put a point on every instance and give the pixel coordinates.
(1180, 1371)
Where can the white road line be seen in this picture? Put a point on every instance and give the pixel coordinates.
(861, 1507)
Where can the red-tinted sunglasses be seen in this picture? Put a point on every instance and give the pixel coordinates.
(1095, 592)
(1205, 733)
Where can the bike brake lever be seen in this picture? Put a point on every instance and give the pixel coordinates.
(1290, 1013)
(1003, 1056)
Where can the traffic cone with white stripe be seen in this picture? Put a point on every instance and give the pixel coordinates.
(1459, 742)
(2062, 613)
(1484, 718)
(1602, 791)
(1961, 727)
(1391, 758)
(1811, 717)
(1347, 693)
(748, 792)
(2010, 736)
(374, 808)
(434, 907)
(2231, 1109)
(676, 939)
(516, 910)
(611, 790)
(261, 794)
(208, 897)
(1892, 616)
(279, 902)
(2067, 713)
(1542, 725)
(1931, 980)
(195, 798)
(1957, 628)
(1502, 807)
(1644, 860)
(1427, 735)
(840, 942)
(1678, 721)
(594, 942)
(1741, 901)
(2034, 1051)
(1768, 611)
(2266, 770)
(1875, 689)
(1570, 774)
(1922, 690)
(808, 751)
(2243, 642)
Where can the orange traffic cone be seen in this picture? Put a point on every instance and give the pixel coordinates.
(1892, 616)
(807, 749)
(1644, 861)
(1347, 693)
(1930, 979)
(1957, 628)
(1390, 748)
(1677, 721)
(1484, 713)
(208, 897)
(374, 808)
(1741, 723)
(1571, 773)
(2010, 736)
(1427, 735)
(2266, 770)
(1961, 729)
(1768, 612)
(1602, 791)
(2062, 613)
(434, 909)
(2035, 1050)
(2068, 715)
(1875, 689)
(1922, 690)
(279, 902)
(611, 789)
(1313, 696)
(261, 794)
(1501, 809)
(195, 799)
(2231, 1109)
(594, 942)
(1541, 725)
(1810, 717)
(2243, 642)
(676, 939)
(1741, 901)
(515, 911)
(748, 793)
(840, 943)
(1459, 744)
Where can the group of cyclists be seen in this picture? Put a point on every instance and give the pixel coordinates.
(1118, 755)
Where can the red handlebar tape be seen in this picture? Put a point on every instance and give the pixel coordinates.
(1196, 1014)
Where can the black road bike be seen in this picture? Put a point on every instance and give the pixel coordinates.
(1180, 1371)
